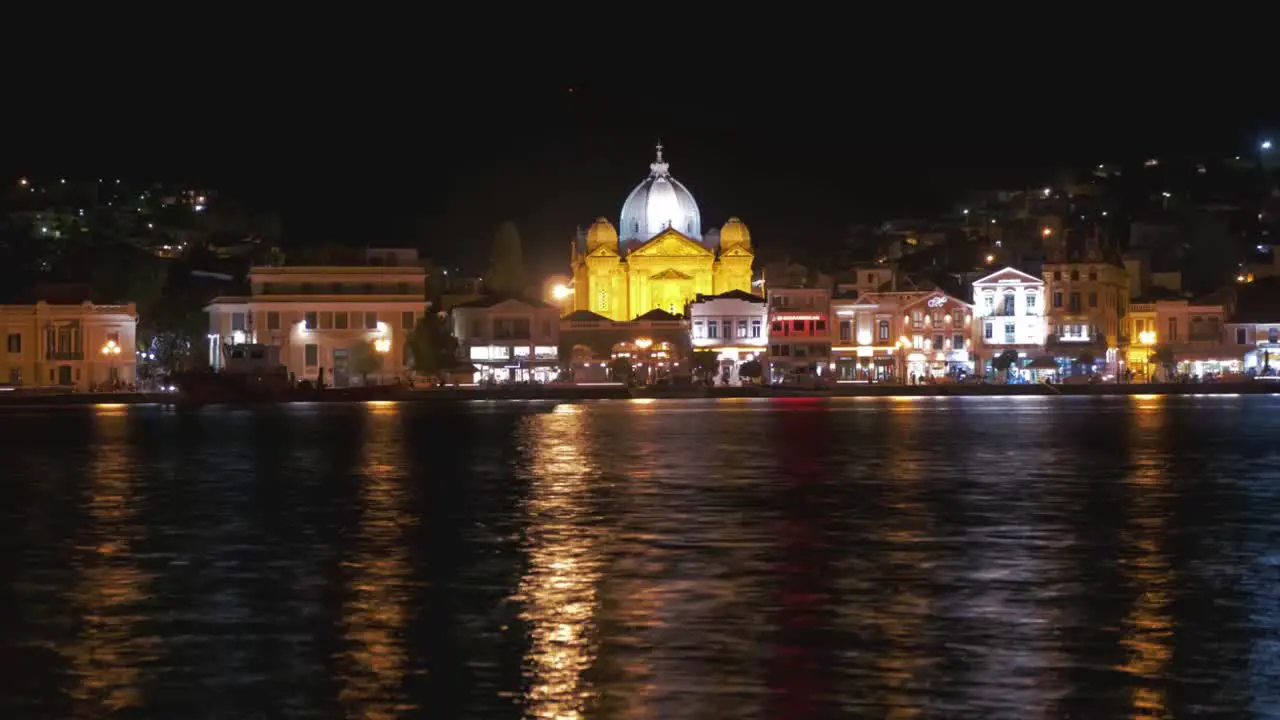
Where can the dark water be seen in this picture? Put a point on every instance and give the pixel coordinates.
(980, 557)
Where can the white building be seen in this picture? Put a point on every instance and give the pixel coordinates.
(326, 317)
(1010, 309)
(733, 324)
(509, 339)
(82, 346)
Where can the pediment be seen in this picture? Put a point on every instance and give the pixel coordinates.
(1007, 275)
(936, 300)
(671, 243)
(737, 251)
(603, 251)
(670, 274)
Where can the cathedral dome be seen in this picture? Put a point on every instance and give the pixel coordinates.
(600, 233)
(658, 203)
(735, 234)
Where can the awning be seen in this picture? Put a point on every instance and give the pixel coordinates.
(1044, 362)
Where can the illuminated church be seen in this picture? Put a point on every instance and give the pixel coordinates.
(657, 257)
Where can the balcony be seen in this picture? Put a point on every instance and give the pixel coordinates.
(64, 356)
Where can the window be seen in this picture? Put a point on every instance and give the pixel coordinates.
(340, 321)
(371, 321)
(1057, 274)
(1241, 336)
(871, 278)
(727, 326)
(957, 320)
(113, 337)
(820, 326)
(402, 288)
(311, 355)
(14, 343)
(883, 330)
(986, 331)
(1093, 275)
(406, 320)
(1093, 299)
(1031, 303)
(1008, 304)
(1057, 299)
(15, 376)
(712, 328)
(742, 328)
(273, 320)
(237, 322)
(755, 328)
(1075, 302)
(797, 325)
(957, 342)
(1009, 335)
(846, 331)
(1173, 329)
(917, 318)
(776, 326)
(1075, 275)
(326, 320)
(1271, 335)
(699, 330)
(937, 342)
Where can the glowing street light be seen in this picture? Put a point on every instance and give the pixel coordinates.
(643, 343)
(111, 348)
(382, 345)
(1147, 337)
(1265, 145)
(561, 292)
(1046, 231)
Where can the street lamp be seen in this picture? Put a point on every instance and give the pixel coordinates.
(110, 350)
(560, 292)
(382, 345)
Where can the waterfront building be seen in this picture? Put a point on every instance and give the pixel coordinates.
(1088, 290)
(508, 339)
(82, 346)
(732, 324)
(657, 257)
(344, 320)
(656, 344)
(1009, 307)
(900, 336)
(1253, 328)
(1194, 333)
(799, 335)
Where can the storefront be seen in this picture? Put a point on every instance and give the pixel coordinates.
(519, 364)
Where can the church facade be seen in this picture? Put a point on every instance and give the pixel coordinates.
(657, 257)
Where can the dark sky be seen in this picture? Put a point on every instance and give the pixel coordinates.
(419, 151)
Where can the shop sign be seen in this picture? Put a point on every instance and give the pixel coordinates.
(937, 302)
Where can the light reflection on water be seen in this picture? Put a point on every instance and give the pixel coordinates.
(879, 558)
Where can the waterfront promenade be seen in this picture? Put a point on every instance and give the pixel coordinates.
(619, 392)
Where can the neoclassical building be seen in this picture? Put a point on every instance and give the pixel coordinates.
(657, 257)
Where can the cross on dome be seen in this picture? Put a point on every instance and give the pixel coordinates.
(659, 166)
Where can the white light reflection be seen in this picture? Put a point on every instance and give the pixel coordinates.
(558, 592)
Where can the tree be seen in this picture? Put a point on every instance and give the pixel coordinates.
(1163, 357)
(506, 273)
(620, 369)
(750, 370)
(431, 346)
(364, 359)
(1005, 361)
(706, 363)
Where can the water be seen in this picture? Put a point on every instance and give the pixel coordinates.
(877, 558)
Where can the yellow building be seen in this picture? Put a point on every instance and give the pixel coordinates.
(661, 258)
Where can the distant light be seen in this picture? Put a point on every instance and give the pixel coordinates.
(965, 211)
(1046, 231)
(1046, 192)
(560, 292)
(991, 259)
(1266, 145)
(1151, 162)
(1166, 194)
(64, 180)
(1104, 213)
(993, 221)
(23, 182)
(198, 208)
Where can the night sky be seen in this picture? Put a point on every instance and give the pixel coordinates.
(798, 152)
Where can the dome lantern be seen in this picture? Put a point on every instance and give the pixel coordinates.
(735, 234)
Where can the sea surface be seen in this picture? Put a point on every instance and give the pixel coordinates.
(810, 558)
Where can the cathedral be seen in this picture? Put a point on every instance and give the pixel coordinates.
(657, 256)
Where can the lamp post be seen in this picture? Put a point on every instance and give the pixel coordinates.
(643, 345)
(111, 349)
